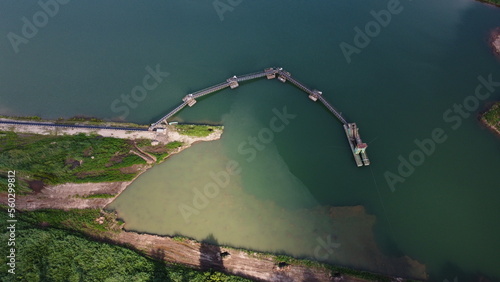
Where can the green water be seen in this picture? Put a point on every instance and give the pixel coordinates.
(426, 60)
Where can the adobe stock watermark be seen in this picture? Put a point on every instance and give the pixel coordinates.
(39, 20)
(453, 116)
(250, 148)
(223, 6)
(325, 248)
(372, 29)
(11, 222)
(150, 82)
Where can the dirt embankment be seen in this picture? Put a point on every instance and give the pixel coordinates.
(205, 256)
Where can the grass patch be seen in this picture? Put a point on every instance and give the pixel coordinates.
(160, 156)
(31, 118)
(98, 196)
(72, 158)
(22, 187)
(196, 130)
(91, 119)
(75, 219)
(179, 238)
(159, 151)
(143, 143)
(174, 145)
(129, 160)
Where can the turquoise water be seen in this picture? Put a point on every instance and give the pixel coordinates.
(397, 89)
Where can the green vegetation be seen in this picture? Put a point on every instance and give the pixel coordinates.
(98, 196)
(48, 254)
(23, 118)
(91, 119)
(492, 116)
(71, 220)
(160, 151)
(196, 130)
(179, 238)
(127, 161)
(494, 2)
(143, 143)
(174, 145)
(22, 187)
(61, 159)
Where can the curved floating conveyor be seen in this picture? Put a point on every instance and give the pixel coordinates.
(358, 148)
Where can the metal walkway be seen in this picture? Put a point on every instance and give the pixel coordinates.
(357, 146)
